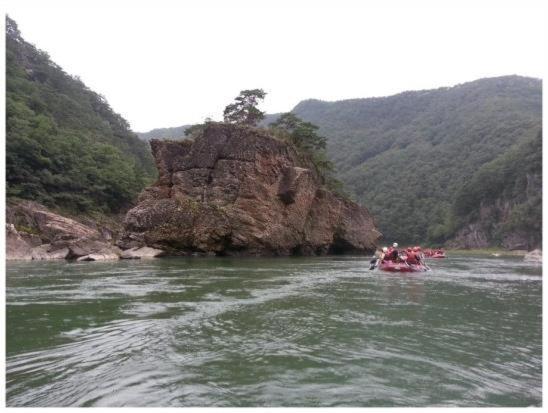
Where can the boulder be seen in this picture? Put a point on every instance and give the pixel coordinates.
(143, 252)
(85, 246)
(534, 256)
(48, 252)
(112, 253)
(238, 190)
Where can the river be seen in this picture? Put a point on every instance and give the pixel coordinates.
(273, 332)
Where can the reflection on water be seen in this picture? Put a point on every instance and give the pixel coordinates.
(273, 332)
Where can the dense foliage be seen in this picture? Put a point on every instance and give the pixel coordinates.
(406, 157)
(304, 136)
(65, 147)
(510, 185)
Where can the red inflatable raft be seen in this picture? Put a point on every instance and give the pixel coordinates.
(392, 266)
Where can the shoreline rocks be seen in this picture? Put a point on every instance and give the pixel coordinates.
(45, 235)
(141, 253)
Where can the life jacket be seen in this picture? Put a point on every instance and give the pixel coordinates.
(391, 254)
(412, 258)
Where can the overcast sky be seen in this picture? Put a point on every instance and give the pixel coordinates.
(169, 63)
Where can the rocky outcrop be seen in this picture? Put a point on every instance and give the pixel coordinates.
(471, 236)
(36, 233)
(490, 226)
(240, 191)
(51, 226)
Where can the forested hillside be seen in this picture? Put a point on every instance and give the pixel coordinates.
(407, 157)
(508, 191)
(65, 146)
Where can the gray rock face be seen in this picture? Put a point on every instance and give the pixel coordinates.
(239, 191)
(490, 226)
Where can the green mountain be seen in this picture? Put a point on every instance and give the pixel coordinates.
(65, 146)
(175, 133)
(408, 157)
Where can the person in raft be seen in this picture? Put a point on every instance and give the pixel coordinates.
(418, 251)
(412, 257)
(379, 256)
(392, 254)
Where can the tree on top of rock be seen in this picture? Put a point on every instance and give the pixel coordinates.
(302, 134)
(244, 110)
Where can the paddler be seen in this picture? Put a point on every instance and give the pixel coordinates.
(379, 256)
(418, 253)
(412, 257)
(392, 254)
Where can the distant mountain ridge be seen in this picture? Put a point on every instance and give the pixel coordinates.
(408, 156)
(176, 133)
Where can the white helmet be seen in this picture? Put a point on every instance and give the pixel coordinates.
(395, 245)
(384, 249)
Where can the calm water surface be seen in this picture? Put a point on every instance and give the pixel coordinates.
(273, 332)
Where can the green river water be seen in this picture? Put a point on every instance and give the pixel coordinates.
(273, 332)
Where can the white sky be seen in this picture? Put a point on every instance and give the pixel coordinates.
(169, 63)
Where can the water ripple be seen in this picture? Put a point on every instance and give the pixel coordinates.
(286, 332)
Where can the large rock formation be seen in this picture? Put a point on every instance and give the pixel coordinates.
(239, 191)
